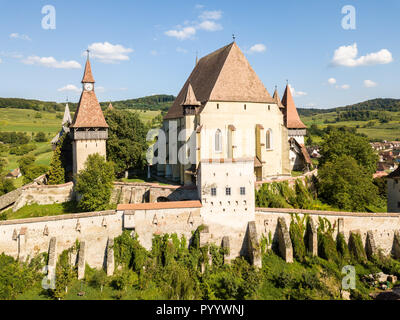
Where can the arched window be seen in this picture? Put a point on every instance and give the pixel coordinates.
(218, 141)
(268, 139)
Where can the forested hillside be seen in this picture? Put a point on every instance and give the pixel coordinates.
(155, 103)
(392, 105)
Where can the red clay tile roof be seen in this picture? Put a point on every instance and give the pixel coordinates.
(292, 117)
(277, 100)
(87, 75)
(89, 113)
(224, 75)
(305, 154)
(190, 99)
(160, 205)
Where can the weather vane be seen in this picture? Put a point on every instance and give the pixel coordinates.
(87, 50)
(233, 37)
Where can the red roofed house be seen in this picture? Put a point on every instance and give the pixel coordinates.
(89, 130)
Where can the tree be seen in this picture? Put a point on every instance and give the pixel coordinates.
(40, 137)
(94, 183)
(3, 163)
(126, 145)
(26, 161)
(56, 172)
(343, 183)
(338, 142)
(34, 171)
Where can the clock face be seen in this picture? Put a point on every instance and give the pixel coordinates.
(88, 86)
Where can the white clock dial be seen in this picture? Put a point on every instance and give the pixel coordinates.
(88, 86)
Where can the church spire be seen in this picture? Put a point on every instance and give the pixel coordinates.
(292, 118)
(276, 98)
(87, 75)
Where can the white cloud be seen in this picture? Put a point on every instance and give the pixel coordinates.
(257, 48)
(109, 53)
(347, 56)
(154, 52)
(343, 86)
(199, 6)
(209, 26)
(331, 80)
(297, 93)
(181, 50)
(211, 15)
(182, 34)
(369, 84)
(69, 87)
(1, 60)
(20, 36)
(51, 62)
(100, 89)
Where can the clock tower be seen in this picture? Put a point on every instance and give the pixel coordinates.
(89, 130)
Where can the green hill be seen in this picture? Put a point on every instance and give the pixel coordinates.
(379, 119)
(159, 102)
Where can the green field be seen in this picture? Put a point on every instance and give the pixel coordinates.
(380, 131)
(24, 120)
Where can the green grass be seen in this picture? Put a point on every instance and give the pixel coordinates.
(35, 210)
(380, 131)
(23, 120)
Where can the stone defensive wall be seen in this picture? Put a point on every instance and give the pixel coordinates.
(291, 180)
(122, 193)
(241, 233)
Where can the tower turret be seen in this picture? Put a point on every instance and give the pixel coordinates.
(89, 130)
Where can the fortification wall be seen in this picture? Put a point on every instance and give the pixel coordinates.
(383, 225)
(27, 237)
(23, 238)
(43, 194)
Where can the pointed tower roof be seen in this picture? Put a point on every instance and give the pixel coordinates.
(67, 115)
(277, 100)
(190, 99)
(89, 113)
(224, 75)
(110, 106)
(291, 116)
(87, 75)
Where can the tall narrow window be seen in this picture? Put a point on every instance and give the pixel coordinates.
(268, 139)
(218, 141)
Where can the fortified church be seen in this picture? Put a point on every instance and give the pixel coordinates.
(234, 132)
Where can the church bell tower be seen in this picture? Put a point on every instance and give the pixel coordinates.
(89, 130)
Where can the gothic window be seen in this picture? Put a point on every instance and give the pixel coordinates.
(228, 191)
(242, 191)
(218, 141)
(268, 139)
(213, 192)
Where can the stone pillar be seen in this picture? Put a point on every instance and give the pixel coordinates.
(341, 226)
(81, 260)
(110, 265)
(204, 239)
(253, 245)
(312, 237)
(52, 257)
(285, 244)
(22, 244)
(396, 245)
(371, 249)
(226, 246)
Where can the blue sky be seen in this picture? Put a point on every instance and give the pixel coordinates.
(148, 47)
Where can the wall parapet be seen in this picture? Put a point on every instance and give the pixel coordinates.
(330, 213)
(59, 218)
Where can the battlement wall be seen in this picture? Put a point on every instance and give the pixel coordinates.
(27, 237)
